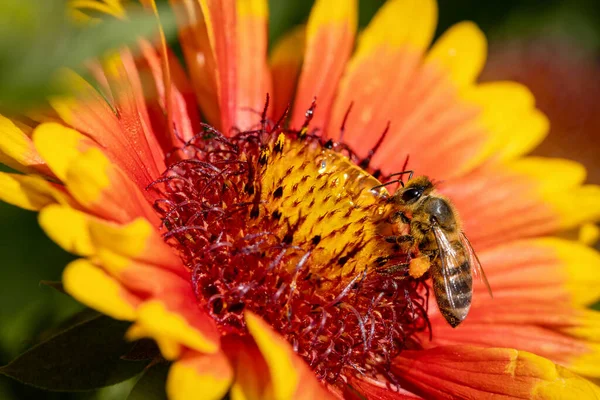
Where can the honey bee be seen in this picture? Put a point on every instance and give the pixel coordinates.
(436, 233)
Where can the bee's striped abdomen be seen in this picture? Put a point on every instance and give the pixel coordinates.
(453, 301)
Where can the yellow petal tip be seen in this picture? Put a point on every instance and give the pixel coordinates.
(93, 287)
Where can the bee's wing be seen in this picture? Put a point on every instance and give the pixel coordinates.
(450, 262)
(475, 263)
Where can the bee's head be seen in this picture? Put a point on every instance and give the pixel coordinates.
(416, 194)
(413, 191)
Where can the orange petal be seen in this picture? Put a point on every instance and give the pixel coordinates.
(429, 111)
(252, 377)
(95, 182)
(290, 376)
(125, 133)
(540, 287)
(232, 34)
(185, 115)
(329, 39)
(31, 192)
(86, 110)
(130, 105)
(574, 322)
(147, 280)
(104, 189)
(433, 104)
(528, 197)
(578, 355)
(170, 312)
(382, 80)
(476, 372)
(17, 150)
(360, 389)
(550, 269)
(197, 374)
(138, 240)
(59, 146)
(200, 59)
(69, 228)
(461, 51)
(253, 77)
(285, 61)
(169, 322)
(94, 288)
(220, 20)
(563, 334)
(86, 235)
(512, 124)
(387, 82)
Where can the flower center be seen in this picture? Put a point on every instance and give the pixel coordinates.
(281, 225)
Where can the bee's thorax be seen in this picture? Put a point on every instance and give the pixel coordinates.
(440, 212)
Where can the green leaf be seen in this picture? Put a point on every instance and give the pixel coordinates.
(85, 356)
(152, 384)
(144, 349)
(283, 15)
(56, 285)
(80, 317)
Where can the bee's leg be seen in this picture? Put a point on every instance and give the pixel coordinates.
(395, 268)
(432, 253)
(400, 239)
(399, 216)
(381, 261)
(416, 268)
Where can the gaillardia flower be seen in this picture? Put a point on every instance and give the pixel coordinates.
(261, 257)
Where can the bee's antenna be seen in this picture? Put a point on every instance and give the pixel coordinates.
(409, 172)
(389, 183)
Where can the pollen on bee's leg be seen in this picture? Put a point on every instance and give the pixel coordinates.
(418, 266)
(275, 222)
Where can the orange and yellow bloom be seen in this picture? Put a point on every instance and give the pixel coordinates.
(253, 254)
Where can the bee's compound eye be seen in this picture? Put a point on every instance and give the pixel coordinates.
(411, 195)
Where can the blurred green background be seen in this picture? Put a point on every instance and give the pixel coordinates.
(553, 46)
